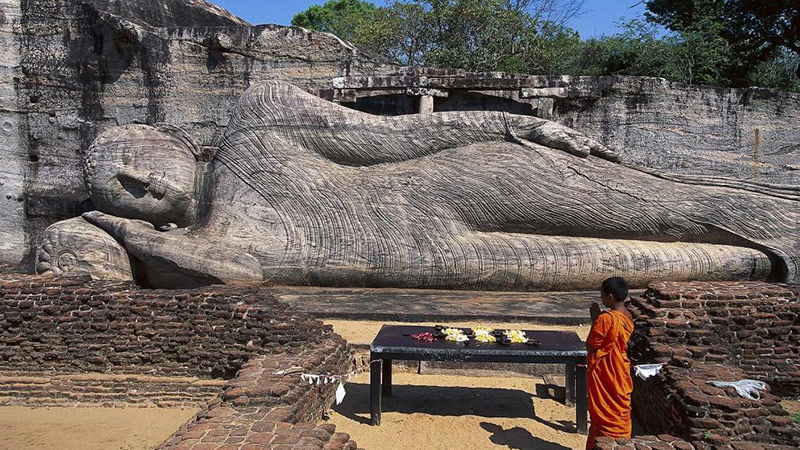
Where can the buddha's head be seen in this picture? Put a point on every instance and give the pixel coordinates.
(142, 172)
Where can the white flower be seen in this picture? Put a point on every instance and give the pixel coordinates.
(483, 334)
(455, 334)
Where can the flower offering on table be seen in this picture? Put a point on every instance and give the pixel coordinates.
(483, 334)
(455, 334)
(424, 337)
(517, 336)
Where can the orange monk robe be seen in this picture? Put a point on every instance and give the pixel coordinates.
(609, 377)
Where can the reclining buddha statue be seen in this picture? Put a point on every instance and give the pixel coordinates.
(302, 191)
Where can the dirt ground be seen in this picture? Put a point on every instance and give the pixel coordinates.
(24, 428)
(458, 412)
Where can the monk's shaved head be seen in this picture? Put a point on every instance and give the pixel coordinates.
(616, 286)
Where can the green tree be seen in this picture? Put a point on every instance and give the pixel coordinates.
(778, 72)
(479, 35)
(714, 42)
(556, 50)
(636, 51)
(754, 30)
(344, 18)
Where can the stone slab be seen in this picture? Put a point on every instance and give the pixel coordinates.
(408, 305)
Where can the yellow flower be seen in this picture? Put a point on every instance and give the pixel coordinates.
(455, 334)
(517, 336)
(483, 334)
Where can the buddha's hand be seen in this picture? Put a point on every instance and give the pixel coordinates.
(174, 259)
(555, 135)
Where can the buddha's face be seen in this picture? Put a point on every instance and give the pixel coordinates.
(139, 172)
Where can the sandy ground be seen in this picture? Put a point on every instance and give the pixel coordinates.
(24, 428)
(457, 412)
(363, 332)
(792, 405)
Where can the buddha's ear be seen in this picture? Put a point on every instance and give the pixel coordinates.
(180, 134)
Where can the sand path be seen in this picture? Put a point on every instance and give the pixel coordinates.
(23, 428)
(457, 412)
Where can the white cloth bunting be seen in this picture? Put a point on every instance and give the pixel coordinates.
(646, 371)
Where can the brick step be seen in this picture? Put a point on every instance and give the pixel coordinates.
(43, 389)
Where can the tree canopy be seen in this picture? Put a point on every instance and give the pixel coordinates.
(717, 42)
(754, 30)
(343, 18)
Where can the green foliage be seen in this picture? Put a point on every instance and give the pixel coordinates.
(344, 18)
(635, 51)
(796, 418)
(754, 30)
(713, 42)
(778, 72)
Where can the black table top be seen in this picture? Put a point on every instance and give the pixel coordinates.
(394, 339)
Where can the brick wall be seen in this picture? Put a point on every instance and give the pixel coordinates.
(680, 401)
(261, 410)
(755, 326)
(73, 341)
(67, 326)
(725, 332)
(662, 442)
(107, 390)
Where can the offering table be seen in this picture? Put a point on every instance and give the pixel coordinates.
(552, 347)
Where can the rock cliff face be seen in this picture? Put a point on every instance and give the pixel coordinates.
(747, 134)
(71, 69)
(751, 134)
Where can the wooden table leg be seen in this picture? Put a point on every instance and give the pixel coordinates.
(387, 378)
(582, 400)
(375, 390)
(569, 386)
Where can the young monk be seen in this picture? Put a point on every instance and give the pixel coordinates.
(609, 370)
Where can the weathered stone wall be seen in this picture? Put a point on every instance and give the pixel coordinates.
(690, 130)
(13, 141)
(68, 327)
(703, 332)
(652, 122)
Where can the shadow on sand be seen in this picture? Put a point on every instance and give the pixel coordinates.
(452, 401)
(518, 438)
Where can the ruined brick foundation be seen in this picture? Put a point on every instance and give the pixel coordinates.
(73, 343)
(716, 331)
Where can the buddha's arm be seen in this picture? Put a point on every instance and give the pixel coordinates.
(355, 138)
(178, 261)
(439, 131)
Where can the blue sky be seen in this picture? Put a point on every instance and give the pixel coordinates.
(599, 19)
